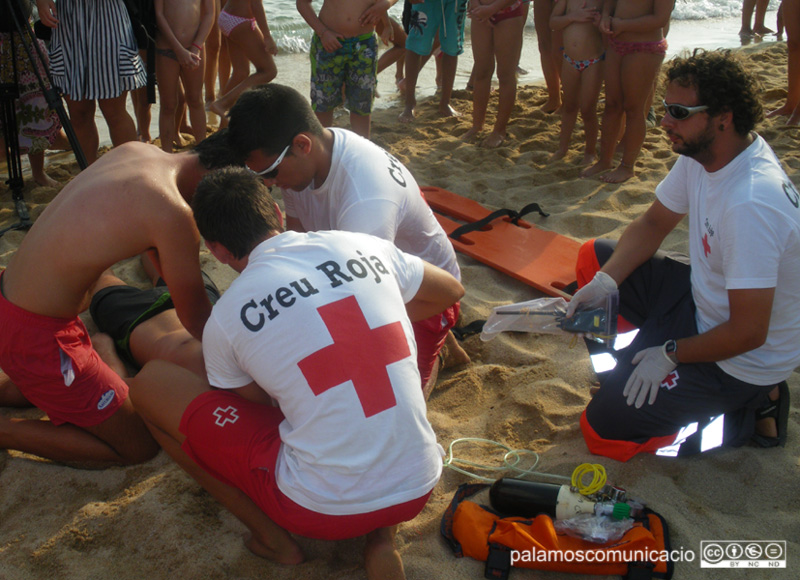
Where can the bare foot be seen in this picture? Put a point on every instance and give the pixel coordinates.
(763, 31)
(45, 180)
(180, 141)
(453, 355)
(493, 140)
(560, 154)
(401, 85)
(551, 106)
(289, 553)
(595, 169)
(448, 111)
(213, 107)
(621, 173)
(588, 159)
(470, 135)
(381, 558)
(407, 116)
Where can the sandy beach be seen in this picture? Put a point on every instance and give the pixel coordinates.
(525, 391)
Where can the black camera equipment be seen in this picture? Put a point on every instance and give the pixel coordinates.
(14, 18)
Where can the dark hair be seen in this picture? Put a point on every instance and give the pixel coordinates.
(215, 151)
(233, 207)
(722, 84)
(268, 117)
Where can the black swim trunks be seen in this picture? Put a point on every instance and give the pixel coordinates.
(117, 310)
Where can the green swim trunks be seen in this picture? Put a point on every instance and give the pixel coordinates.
(354, 66)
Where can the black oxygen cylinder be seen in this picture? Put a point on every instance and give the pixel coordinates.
(527, 499)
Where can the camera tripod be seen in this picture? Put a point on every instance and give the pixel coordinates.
(9, 93)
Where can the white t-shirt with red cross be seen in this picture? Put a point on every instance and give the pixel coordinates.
(318, 320)
(744, 233)
(368, 190)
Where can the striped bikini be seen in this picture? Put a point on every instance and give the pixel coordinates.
(93, 52)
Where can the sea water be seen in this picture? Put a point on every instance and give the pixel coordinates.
(292, 34)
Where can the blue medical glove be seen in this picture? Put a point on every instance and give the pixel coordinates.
(601, 285)
(652, 367)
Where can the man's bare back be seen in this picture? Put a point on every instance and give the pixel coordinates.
(126, 203)
(342, 16)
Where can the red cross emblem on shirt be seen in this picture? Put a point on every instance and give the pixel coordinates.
(359, 354)
(706, 245)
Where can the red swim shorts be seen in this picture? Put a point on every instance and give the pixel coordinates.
(430, 334)
(53, 364)
(238, 441)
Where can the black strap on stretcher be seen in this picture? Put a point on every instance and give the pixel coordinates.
(482, 223)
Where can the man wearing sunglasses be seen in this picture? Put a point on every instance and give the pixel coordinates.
(332, 179)
(716, 340)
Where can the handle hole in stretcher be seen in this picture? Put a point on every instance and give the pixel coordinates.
(463, 241)
(518, 224)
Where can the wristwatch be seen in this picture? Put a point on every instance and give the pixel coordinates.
(671, 350)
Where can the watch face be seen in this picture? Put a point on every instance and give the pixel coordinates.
(671, 346)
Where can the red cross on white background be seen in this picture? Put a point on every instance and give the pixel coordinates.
(359, 354)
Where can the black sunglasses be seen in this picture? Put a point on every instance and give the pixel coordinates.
(681, 112)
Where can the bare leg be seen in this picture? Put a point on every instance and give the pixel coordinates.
(482, 71)
(251, 43)
(193, 91)
(507, 46)
(360, 124)
(81, 113)
(449, 66)
(638, 72)
(791, 17)
(122, 439)
(162, 393)
(10, 395)
(591, 81)
(381, 558)
(211, 57)
(571, 83)
(612, 115)
(37, 170)
(759, 28)
(121, 127)
(747, 16)
(413, 64)
(168, 71)
(550, 68)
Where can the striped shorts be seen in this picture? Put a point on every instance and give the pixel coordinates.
(93, 52)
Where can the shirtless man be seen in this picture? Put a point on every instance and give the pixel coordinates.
(344, 55)
(182, 30)
(110, 212)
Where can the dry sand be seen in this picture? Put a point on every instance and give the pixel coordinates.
(526, 391)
